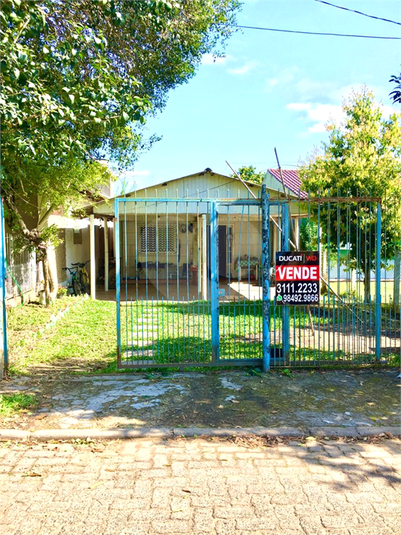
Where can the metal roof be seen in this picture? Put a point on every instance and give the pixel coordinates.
(291, 181)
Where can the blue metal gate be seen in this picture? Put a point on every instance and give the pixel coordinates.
(195, 283)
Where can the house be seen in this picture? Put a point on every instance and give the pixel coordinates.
(163, 240)
(166, 240)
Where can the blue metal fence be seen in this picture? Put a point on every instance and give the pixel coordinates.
(196, 287)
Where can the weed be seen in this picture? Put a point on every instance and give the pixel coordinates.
(287, 373)
(11, 404)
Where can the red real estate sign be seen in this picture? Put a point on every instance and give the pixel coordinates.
(297, 277)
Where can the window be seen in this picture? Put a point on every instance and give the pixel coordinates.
(77, 236)
(166, 239)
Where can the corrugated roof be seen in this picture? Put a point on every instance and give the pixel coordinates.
(291, 181)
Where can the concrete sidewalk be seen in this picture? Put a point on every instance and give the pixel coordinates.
(329, 403)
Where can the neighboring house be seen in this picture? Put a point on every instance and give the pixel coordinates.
(287, 181)
(24, 275)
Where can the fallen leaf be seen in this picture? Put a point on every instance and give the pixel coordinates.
(96, 485)
(186, 490)
(32, 474)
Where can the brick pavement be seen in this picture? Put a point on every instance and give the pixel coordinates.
(201, 486)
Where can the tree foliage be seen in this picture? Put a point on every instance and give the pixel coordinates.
(78, 75)
(362, 158)
(249, 173)
(79, 78)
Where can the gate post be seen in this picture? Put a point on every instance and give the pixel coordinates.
(378, 281)
(285, 246)
(117, 254)
(214, 290)
(266, 279)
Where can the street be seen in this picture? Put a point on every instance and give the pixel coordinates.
(240, 485)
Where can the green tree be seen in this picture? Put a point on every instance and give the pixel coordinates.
(249, 173)
(79, 78)
(361, 158)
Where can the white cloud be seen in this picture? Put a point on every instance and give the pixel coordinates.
(209, 59)
(318, 114)
(299, 106)
(325, 108)
(249, 66)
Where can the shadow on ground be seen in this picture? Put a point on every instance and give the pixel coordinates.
(221, 399)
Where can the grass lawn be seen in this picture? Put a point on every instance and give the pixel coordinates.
(386, 289)
(83, 339)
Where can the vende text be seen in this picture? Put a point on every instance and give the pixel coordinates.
(297, 273)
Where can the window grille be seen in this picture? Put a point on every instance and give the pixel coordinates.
(166, 237)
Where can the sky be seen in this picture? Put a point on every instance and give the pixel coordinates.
(272, 89)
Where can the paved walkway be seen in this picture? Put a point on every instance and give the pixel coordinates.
(235, 486)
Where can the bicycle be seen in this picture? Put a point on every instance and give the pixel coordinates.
(74, 286)
(83, 276)
(79, 278)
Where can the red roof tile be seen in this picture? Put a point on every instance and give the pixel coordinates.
(291, 181)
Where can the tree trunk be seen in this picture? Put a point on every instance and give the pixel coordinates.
(50, 278)
(33, 238)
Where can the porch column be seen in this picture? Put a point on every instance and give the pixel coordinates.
(204, 258)
(92, 256)
(106, 255)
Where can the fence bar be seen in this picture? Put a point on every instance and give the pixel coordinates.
(3, 318)
(285, 246)
(378, 281)
(266, 279)
(117, 249)
(214, 267)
